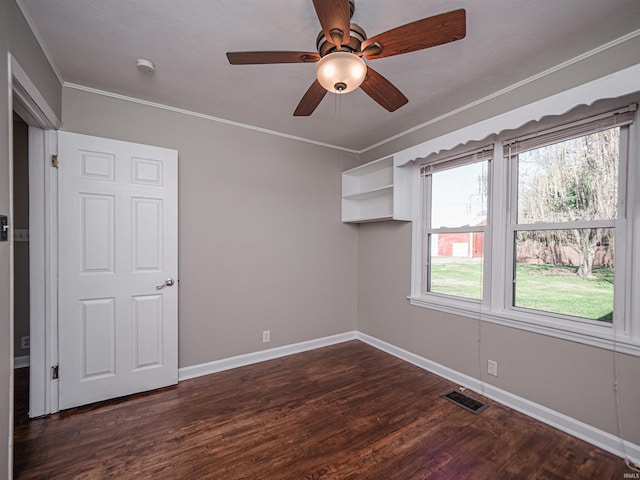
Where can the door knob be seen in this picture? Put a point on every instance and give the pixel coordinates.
(167, 283)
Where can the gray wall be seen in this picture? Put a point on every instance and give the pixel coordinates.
(261, 245)
(5, 314)
(571, 378)
(15, 37)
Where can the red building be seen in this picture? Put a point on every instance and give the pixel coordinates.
(464, 244)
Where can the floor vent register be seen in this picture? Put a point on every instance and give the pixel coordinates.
(465, 401)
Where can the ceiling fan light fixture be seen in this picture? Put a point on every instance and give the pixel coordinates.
(341, 72)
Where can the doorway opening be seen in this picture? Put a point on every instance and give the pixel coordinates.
(21, 295)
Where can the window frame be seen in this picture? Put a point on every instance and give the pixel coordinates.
(623, 333)
(560, 134)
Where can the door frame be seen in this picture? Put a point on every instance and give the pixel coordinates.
(28, 102)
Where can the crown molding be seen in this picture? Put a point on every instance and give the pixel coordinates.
(203, 116)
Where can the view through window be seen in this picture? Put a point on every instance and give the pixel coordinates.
(456, 230)
(564, 237)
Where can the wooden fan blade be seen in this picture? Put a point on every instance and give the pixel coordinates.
(310, 100)
(260, 58)
(383, 91)
(335, 18)
(425, 33)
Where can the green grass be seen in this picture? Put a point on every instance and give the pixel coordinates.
(549, 288)
(459, 279)
(557, 289)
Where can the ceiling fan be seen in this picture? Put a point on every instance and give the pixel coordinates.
(342, 44)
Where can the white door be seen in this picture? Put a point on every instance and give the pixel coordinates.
(118, 268)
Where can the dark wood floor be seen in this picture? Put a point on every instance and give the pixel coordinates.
(347, 411)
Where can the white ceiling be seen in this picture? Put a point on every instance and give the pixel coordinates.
(95, 43)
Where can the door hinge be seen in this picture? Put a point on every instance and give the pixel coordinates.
(54, 372)
(54, 161)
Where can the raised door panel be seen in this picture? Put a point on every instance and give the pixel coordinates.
(97, 232)
(147, 172)
(148, 333)
(98, 337)
(147, 215)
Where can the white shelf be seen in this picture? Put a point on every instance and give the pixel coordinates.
(369, 193)
(369, 220)
(376, 191)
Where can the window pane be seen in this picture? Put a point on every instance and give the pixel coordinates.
(572, 180)
(569, 272)
(456, 261)
(459, 196)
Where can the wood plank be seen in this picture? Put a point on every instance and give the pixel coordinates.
(348, 411)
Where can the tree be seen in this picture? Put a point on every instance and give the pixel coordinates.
(571, 181)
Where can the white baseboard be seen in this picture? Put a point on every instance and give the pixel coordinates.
(21, 362)
(186, 373)
(461, 379)
(595, 436)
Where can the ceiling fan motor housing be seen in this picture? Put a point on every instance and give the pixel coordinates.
(357, 35)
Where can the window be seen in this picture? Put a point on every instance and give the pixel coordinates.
(563, 228)
(456, 223)
(532, 231)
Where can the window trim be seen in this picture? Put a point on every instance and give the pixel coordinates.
(622, 335)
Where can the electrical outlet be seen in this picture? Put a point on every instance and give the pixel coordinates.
(492, 367)
(266, 336)
(25, 342)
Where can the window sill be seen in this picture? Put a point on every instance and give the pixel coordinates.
(601, 336)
